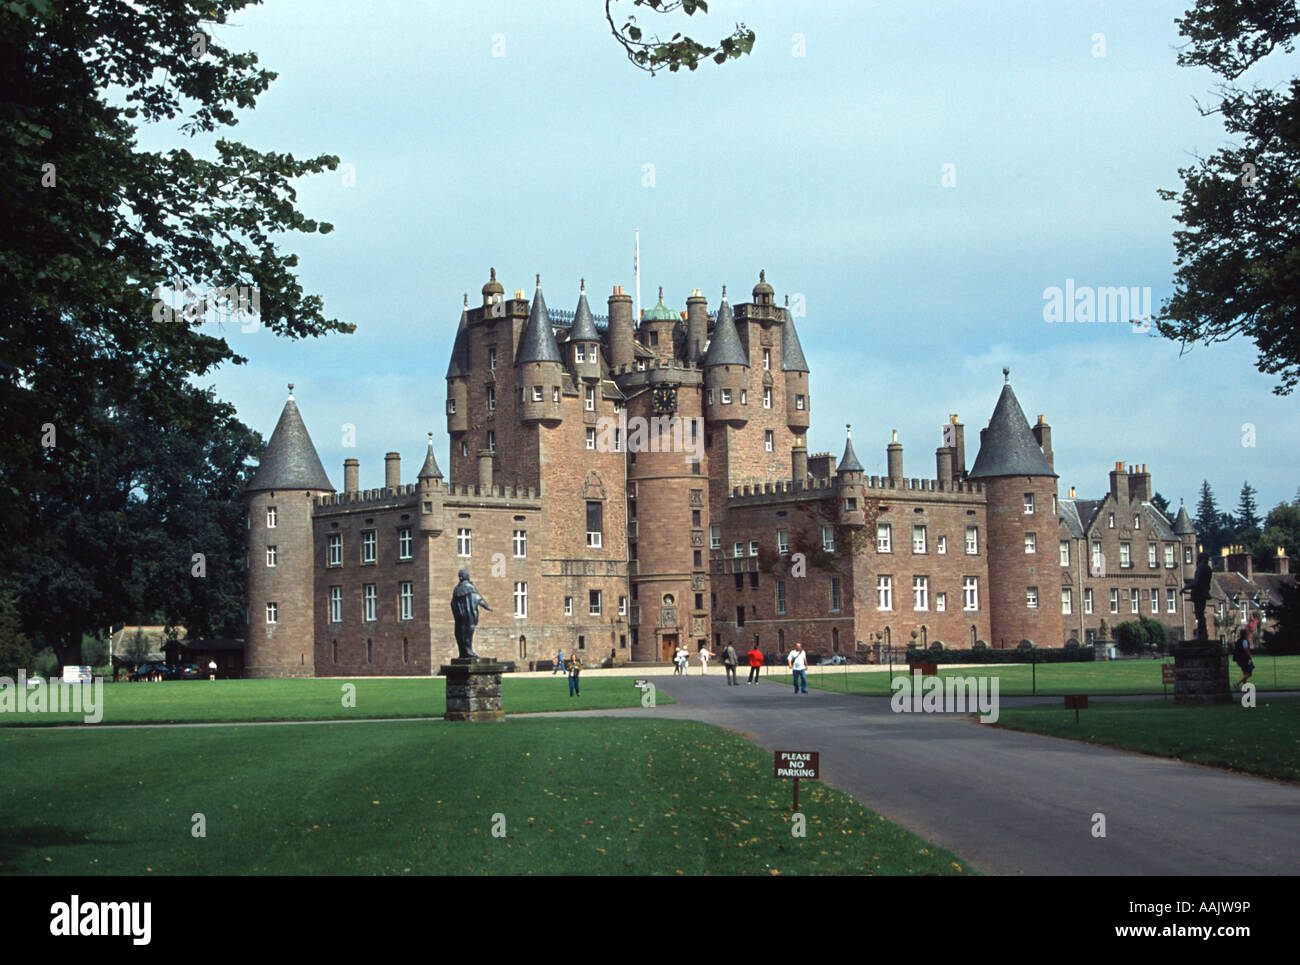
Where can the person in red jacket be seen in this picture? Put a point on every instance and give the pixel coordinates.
(755, 663)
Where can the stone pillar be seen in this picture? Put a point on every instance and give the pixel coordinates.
(473, 689)
(1201, 673)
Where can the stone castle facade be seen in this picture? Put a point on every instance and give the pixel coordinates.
(627, 485)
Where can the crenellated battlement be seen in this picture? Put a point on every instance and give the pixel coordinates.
(784, 489)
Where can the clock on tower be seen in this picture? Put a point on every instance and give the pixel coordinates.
(664, 400)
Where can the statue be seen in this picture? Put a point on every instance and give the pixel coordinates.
(1199, 587)
(465, 602)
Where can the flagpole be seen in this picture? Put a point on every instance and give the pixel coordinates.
(636, 270)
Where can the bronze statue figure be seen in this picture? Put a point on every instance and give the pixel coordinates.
(465, 601)
(1199, 586)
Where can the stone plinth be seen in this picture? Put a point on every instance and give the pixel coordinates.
(1201, 673)
(473, 689)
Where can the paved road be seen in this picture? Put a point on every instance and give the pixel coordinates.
(1009, 802)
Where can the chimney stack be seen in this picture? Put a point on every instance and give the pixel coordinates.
(1043, 436)
(485, 472)
(1139, 484)
(1283, 562)
(894, 458)
(943, 460)
(392, 470)
(799, 463)
(351, 476)
(1239, 561)
(620, 328)
(1119, 482)
(697, 326)
(959, 449)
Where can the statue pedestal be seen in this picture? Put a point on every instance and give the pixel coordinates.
(1201, 673)
(473, 689)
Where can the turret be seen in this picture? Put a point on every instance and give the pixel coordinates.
(697, 326)
(281, 558)
(798, 401)
(583, 345)
(539, 366)
(659, 326)
(620, 328)
(429, 483)
(852, 509)
(726, 371)
(894, 460)
(458, 372)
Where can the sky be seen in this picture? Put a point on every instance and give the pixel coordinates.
(916, 175)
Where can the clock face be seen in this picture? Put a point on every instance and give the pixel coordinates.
(664, 400)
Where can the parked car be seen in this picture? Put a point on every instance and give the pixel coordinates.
(187, 671)
(146, 671)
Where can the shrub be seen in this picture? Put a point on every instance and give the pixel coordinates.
(1130, 637)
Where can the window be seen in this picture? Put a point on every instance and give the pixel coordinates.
(1065, 552)
(595, 523)
(828, 539)
(336, 604)
(782, 542)
(272, 613)
(555, 394)
(695, 518)
(1126, 555)
(767, 397)
(918, 539)
(1114, 601)
(1067, 600)
(568, 606)
(1031, 542)
(1169, 556)
(715, 537)
(370, 599)
(799, 403)
(578, 354)
(941, 602)
(726, 397)
(369, 546)
(492, 399)
(1110, 520)
(884, 538)
(618, 439)
(270, 556)
(591, 398)
(1087, 600)
(1171, 600)
(753, 579)
(404, 543)
(744, 397)
(1098, 563)
(740, 616)
(767, 359)
(1137, 521)
(270, 517)
(1029, 504)
(492, 441)
(1151, 555)
(519, 543)
(884, 593)
(740, 580)
(941, 544)
(622, 604)
(591, 438)
(464, 448)
(593, 602)
(451, 407)
(1135, 599)
(1031, 597)
(780, 596)
(492, 359)
(335, 556)
(1187, 555)
(769, 442)
(753, 547)
(406, 601)
(972, 540)
(920, 593)
(1155, 601)
(708, 397)
(537, 393)
(521, 600)
(462, 542)
(835, 594)
(738, 549)
(970, 593)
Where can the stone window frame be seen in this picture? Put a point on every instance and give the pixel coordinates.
(334, 542)
(406, 600)
(370, 546)
(370, 603)
(920, 593)
(1031, 598)
(519, 544)
(272, 613)
(271, 554)
(521, 599)
(405, 543)
(970, 594)
(336, 604)
(464, 538)
(885, 591)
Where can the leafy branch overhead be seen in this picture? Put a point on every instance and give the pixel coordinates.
(653, 54)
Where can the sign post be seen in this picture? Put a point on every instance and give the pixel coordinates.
(796, 764)
(1077, 702)
(1167, 677)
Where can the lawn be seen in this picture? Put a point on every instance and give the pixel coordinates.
(198, 701)
(1119, 677)
(570, 796)
(1264, 739)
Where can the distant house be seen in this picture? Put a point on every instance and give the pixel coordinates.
(1240, 595)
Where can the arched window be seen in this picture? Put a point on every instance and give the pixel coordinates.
(780, 640)
(406, 653)
(523, 646)
(835, 639)
(370, 651)
(336, 651)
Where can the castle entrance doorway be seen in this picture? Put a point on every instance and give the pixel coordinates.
(668, 646)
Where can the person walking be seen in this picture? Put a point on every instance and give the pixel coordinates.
(559, 662)
(797, 660)
(755, 663)
(212, 668)
(683, 658)
(1241, 656)
(729, 661)
(705, 656)
(574, 667)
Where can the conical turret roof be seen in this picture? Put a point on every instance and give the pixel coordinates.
(724, 345)
(850, 461)
(430, 468)
(1183, 523)
(584, 326)
(290, 460)
(459, 364)
(792, 359)
(537, 344)
(1008, 447)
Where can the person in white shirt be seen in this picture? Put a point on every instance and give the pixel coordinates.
(704, 659)
(797, 660)
(680, 658)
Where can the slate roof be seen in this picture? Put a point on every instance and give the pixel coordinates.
(1087, 510)
(430, 468)
(849, 462)
(1008, 447)
(792, 359)
(1069, 514)
(583, 328)
(537, 344)
(1157, 522)
(724, 344)
(1183, 523)
(458, 366)
(290, 460)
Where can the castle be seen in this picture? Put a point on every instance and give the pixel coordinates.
(627, 485)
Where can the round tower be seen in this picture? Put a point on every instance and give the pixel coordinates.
(659, 326)
(280, 636)
(620, 329)
(726, 371)
(798, 400)
(539, 366)
(848, 474)
(458, 373)
(697, 326)
(429, 483)
(583, 344)
(1024, 592)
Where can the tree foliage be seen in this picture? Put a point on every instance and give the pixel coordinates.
(652, 54)
(1238, 250)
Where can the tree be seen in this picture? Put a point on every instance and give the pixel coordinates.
(15, 652)
(653, 54)
(1161, 504)
(1282, 632)
(1281, 531)
(1238, 252)
(1212, 530)
(112, 259)
(1247, 510)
